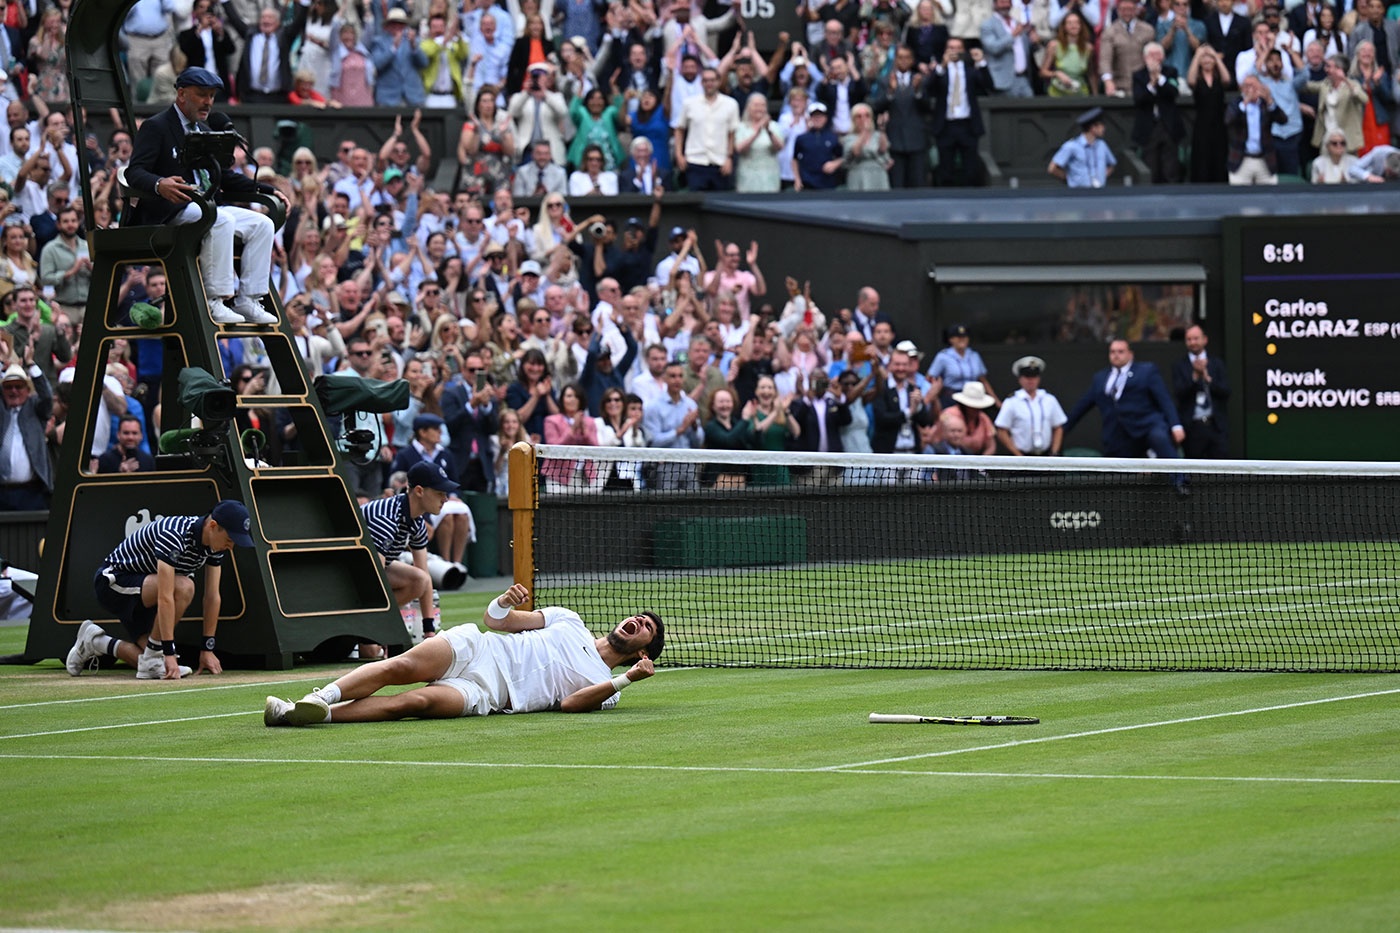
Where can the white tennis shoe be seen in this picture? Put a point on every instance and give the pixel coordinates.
(152, 667)
(84, 653)
(275, 711)
(252, 310)
(310, 710)
(223, 314)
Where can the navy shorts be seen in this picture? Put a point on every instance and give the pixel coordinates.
(120, 593)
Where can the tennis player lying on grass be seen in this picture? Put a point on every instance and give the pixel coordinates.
(548, 659)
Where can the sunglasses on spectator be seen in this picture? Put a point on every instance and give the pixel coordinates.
(361, 352)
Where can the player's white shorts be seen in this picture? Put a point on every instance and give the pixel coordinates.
(476, 672)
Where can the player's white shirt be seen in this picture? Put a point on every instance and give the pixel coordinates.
(543, 666)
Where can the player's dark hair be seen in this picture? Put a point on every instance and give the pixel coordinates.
(654, 647)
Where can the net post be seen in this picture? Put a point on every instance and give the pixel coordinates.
(524, 499)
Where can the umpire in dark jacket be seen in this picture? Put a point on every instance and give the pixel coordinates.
(157, 167)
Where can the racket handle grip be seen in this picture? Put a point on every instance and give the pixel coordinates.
(888, 717)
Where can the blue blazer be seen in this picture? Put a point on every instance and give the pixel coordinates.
(465, 424)
(1144, 404)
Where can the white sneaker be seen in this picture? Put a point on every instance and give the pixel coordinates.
(84, 652)
(152, 667)
(275, 711)
(310, 710)
(252, 310)
(223, 314)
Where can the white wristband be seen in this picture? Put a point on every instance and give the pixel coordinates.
(495, 610)
(620, 681)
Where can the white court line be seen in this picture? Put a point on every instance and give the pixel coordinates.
(1141, 725)
(695, 769)
(129, 725)
(159, 693)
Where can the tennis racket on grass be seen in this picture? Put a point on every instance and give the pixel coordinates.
(956, 720)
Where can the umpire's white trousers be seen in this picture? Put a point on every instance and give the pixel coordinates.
(216, 253)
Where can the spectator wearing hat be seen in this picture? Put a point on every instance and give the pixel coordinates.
(398, 61)
(683, 253)
(147, 583)
(1202, 391)
(1031, 422)
(909, 349)
(816, 154)
(970, 407)
(265, 71)
(400, 523)
(451, 529)
(156, 168)
(956, 365)
(540, 114)
(541, 176)
(26, 475)
(1084, 161)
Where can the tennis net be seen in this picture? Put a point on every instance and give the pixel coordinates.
(778, 560)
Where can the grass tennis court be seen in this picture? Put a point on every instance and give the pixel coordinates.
(710, 799)
(1233, 607)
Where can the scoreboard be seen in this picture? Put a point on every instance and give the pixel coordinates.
(1314, 309)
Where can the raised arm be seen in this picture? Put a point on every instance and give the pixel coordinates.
(501, 614)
